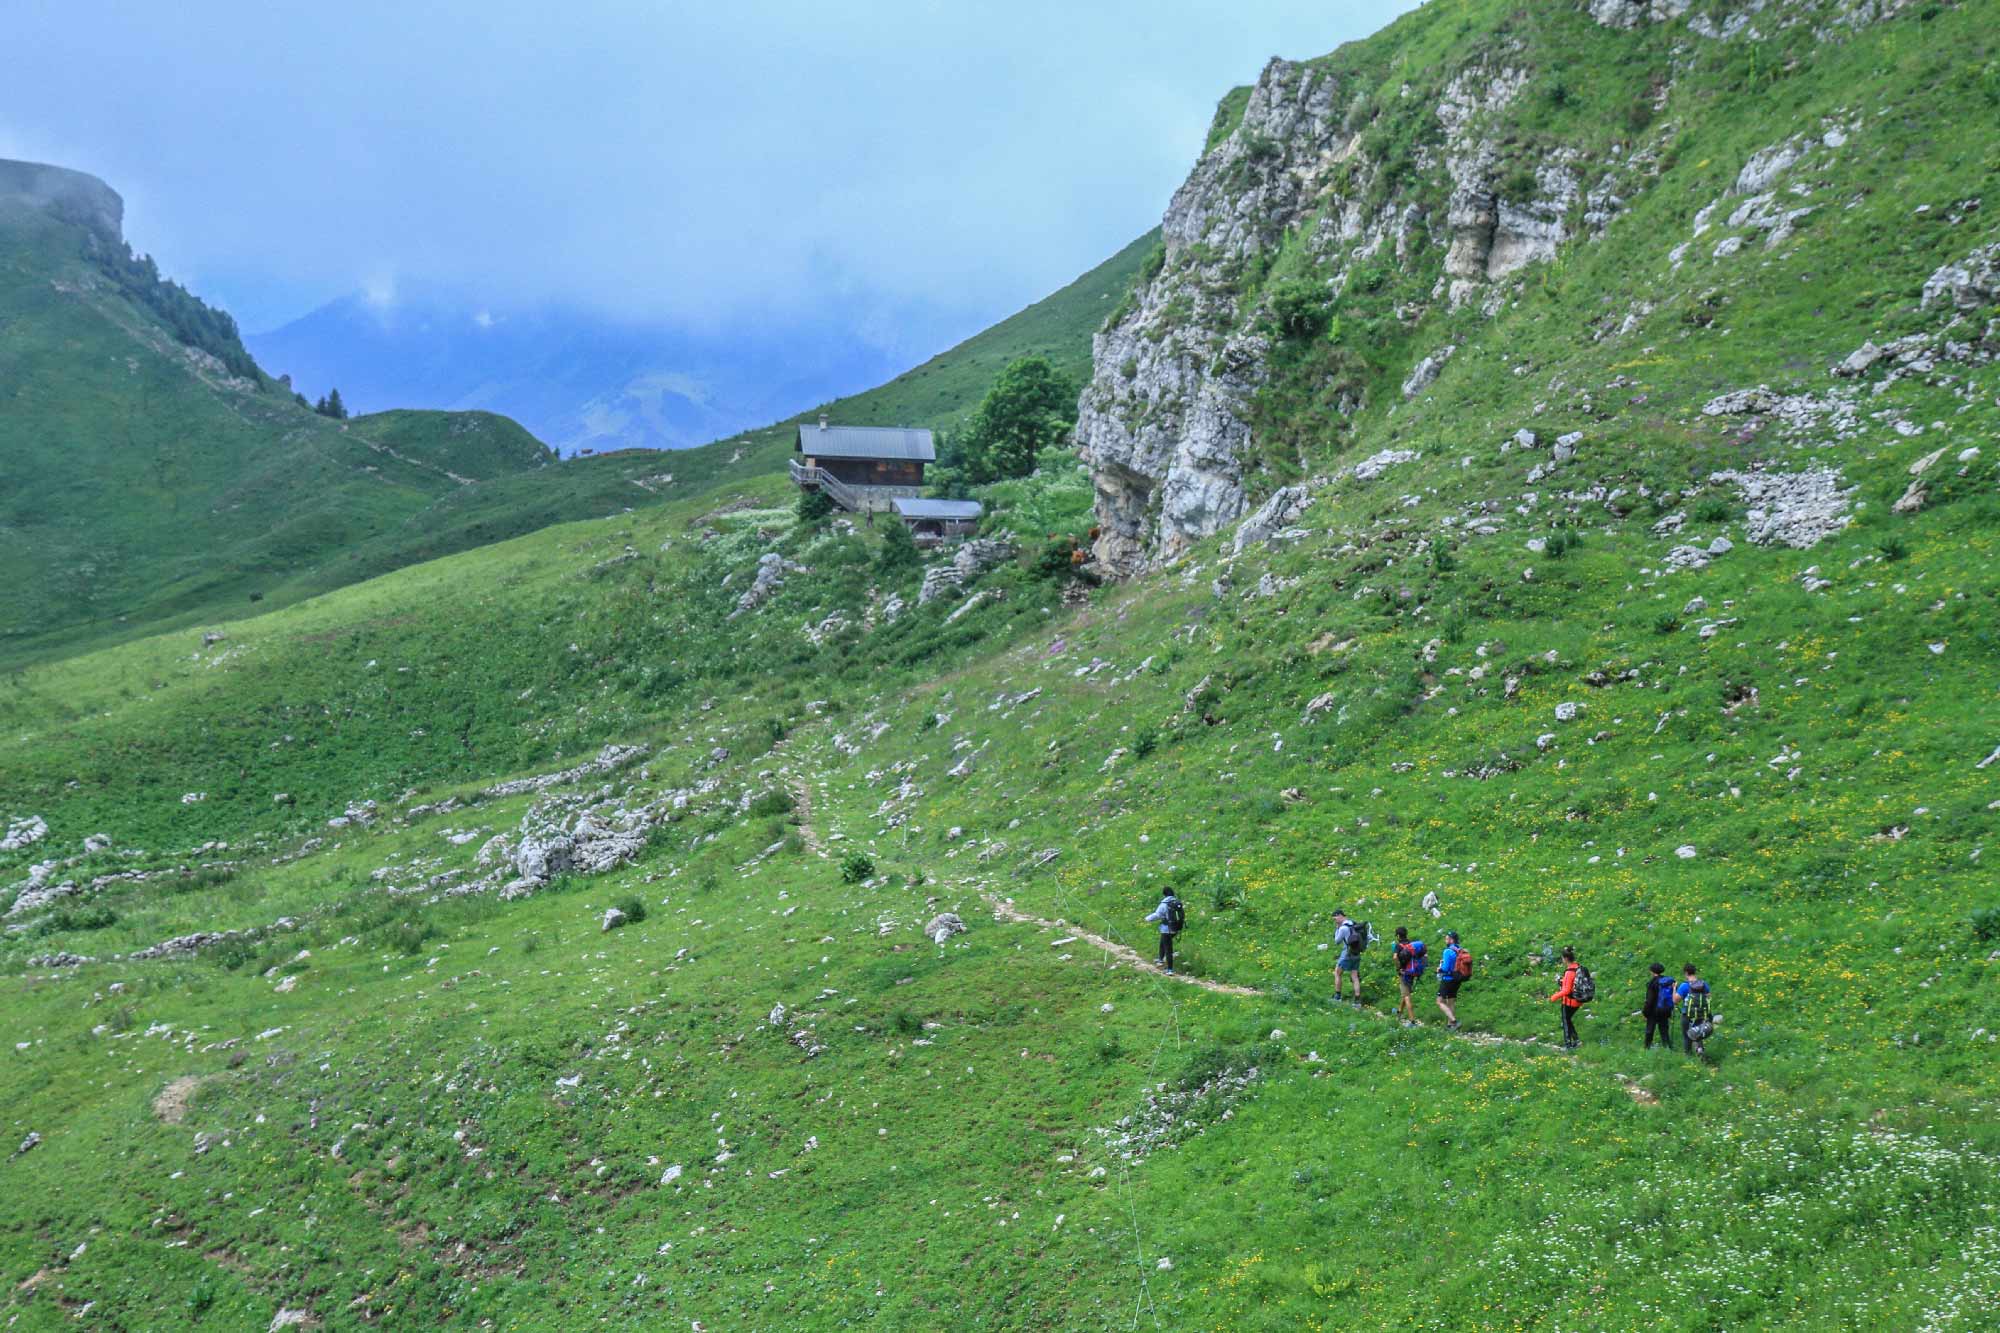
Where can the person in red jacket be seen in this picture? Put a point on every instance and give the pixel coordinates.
(1565, 997)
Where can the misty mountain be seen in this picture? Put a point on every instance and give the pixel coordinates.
(576, 380)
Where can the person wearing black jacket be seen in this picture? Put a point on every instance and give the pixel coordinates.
(1659, 1006)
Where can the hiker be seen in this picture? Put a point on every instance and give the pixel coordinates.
(1409, 956)
(1566, 997)
(1659, 1006)
(1352, 937)
(1454, 966)
(1171, 916)
(1696, 1025)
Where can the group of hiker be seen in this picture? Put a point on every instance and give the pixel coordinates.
(1664, 999)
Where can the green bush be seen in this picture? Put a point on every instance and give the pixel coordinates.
(1986, 924)
(899, 554)
(856, 866)
(770, 804)
(814, 508)
(634, 910)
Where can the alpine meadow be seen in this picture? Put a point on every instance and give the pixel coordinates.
(1541, 481)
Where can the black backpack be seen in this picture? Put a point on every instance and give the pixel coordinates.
(1694, 1011)
(1584, 989)
(1357, 936)
(1176, 915)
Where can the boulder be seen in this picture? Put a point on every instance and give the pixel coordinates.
(943, 926)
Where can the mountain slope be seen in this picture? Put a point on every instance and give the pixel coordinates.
(1585, 640)
(145, 484)
(148, 474)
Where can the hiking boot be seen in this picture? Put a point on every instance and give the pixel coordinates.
(1168, 970)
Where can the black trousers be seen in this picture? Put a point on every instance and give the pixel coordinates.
(1166, 951)
(1569, 1024)
(1658, 1021)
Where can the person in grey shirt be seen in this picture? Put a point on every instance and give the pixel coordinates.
(1349, 936)
(1169, 921)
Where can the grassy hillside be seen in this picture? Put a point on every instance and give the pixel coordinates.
(143, 486)
(1687, 672)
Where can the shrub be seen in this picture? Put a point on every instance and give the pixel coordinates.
(1893, 549)
(906, 1023)
(1145, 743)
(1668, 623)
(856, 866)
(1299, 307)
(1986, 924)
(634, 910)
(899, 554)
(1562, 542)
(774, 803)
(1225, 897)
(1714, 509)
(814, 507)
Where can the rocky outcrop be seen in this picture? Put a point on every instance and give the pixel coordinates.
(70, 195)
(972, 559)
(1628, 14)
(771, 571)
(1164, 422)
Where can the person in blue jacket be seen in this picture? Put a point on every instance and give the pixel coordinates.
(1448, 980)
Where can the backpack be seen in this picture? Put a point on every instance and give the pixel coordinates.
(1584, 989)
(1463, 963)
(1695, 1013)
(1176, 915)
(1660, 996)
(1357, 936)
(1413, 959)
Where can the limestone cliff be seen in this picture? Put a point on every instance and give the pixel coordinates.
(1432, 166)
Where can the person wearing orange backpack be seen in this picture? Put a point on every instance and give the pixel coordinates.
(1454, 966)
(1566, 997)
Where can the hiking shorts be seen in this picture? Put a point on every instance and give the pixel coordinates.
(1448, 987)
(1409, 982)
(1347, 962)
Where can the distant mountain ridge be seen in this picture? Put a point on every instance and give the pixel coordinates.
(578, 380)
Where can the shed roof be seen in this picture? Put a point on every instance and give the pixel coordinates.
(904, 443)
(945, 509)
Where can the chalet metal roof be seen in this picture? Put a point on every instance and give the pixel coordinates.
(898, 443)
(945, 509)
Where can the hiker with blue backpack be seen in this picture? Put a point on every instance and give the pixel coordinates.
(1697, 1023)
(1659, 1006)
(1170, 915)
(1409, 956)
(1454, 966)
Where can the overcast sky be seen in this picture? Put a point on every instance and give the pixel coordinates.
(701, 163)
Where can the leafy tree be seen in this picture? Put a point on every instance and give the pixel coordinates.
(899, 554)
(1031, 406)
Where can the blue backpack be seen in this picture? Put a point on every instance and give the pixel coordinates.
(1415, 967)
(1662, 997)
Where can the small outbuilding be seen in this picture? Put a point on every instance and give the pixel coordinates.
(863, 468)
(933, 521)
